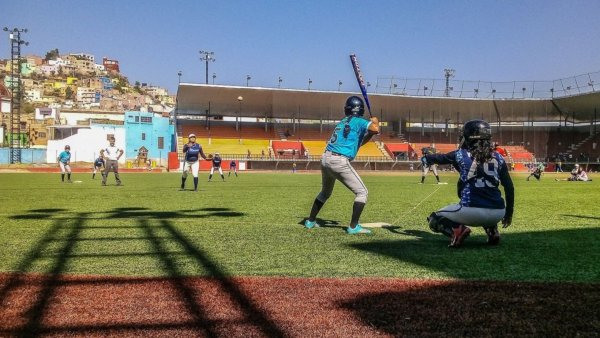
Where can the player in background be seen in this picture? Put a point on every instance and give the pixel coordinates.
(216, 164)
(537, 172)
(349, 134)
(112, 154)
(64, 161)
(98, 165)
(192, 152)
(232, 166)
(577, 174)
(426, 167)
(481, 171)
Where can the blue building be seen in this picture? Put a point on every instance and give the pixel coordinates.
(149, 130)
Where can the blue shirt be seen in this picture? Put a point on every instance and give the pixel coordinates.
(348, 146)
(232, 164)
(216, 162)
(192, 153)
(478, 182)
(99, 162)
(64, 157)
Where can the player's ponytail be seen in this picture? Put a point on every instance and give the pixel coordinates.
(481, 150)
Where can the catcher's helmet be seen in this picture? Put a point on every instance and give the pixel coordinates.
(475, 130)
(354, 106)
(67, 147)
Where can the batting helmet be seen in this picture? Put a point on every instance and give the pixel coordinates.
(475, 130)
(354, 106)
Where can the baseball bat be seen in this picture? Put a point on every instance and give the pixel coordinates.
(361, 81)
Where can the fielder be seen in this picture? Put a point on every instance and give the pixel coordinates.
(232, 166)
(98, 165)
(425, 167)
(350, 133)
(64, 161)
(216, 164)
(481, 170)
(192, 151)
(112, 154)
(537, 172)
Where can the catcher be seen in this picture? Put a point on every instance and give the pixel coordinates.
(481, 170)
(192, 151)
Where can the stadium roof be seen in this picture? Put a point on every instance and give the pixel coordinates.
(195, 99)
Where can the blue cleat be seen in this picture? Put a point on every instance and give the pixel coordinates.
(358, 229)
(309, 225)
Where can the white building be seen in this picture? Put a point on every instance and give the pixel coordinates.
(33, 95)
(87, 142)
(87, 95)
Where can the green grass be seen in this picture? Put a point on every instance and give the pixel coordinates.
(250, 226)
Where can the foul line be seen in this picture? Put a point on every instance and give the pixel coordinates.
(411, 210)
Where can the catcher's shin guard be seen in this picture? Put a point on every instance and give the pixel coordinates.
(440, 224)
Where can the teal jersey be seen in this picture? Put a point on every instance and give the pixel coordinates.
(541, 166)
(64, 157)
(348, 146)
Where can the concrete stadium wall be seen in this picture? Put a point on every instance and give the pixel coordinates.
(28, 156)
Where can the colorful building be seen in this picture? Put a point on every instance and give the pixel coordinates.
(151, 131)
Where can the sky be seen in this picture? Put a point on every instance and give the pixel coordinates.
(296, 40)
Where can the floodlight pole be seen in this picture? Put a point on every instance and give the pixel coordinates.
(207, 56)
(448, 73)
(16, 91)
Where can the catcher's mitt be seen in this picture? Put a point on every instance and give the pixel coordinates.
(210, 156)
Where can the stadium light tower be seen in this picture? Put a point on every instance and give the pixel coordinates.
(207, 56)
(179, 74)
(279, 80)
(214, 77)
(448, 73)
(309, 83)
(14, 137)
(248, 78)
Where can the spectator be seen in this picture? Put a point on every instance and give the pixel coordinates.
(249, 154)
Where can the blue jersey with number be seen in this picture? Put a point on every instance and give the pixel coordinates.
(348, 145)
(478, 183)
(64, 157)
(192, 152)
(232, 164)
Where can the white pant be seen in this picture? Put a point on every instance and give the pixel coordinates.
(194, 166)
(432, 167)
(212, 170)
(472, 216)
(65, 168)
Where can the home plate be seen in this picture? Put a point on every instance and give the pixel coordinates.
(376, 225)
(77, 181)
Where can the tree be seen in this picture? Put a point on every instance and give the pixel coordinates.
(68, 93)
(52, 54)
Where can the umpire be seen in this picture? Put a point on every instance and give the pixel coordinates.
(348, 136)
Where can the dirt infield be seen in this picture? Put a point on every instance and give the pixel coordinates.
(59, 306)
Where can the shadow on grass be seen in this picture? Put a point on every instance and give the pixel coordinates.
(561, 255)
(67, 232)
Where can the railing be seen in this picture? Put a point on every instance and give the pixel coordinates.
(575, 85)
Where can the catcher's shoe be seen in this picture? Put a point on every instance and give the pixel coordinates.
(458, 236)
(493, 235)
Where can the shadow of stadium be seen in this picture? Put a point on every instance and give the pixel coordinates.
(560, 256)
(481, 309)
(66, 233)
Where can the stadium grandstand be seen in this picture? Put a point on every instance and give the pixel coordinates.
(272, 124)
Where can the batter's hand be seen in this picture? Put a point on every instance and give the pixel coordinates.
(506, 222)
